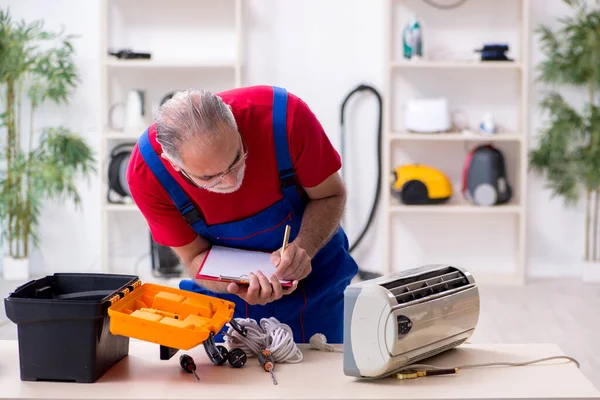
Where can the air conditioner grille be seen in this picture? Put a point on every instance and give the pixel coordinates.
(435, 351)
(426, 284)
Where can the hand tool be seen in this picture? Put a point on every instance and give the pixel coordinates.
(188, 365)
(265, 359)
(412, 374)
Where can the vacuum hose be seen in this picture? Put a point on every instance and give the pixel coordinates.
(365, 275)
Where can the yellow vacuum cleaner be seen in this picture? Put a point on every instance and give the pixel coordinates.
(417, 184)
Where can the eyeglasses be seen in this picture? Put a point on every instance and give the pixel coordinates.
(218, 178)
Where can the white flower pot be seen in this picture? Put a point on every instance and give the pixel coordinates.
(15, 269)
(590, 271)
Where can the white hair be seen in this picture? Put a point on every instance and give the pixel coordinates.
(191, 115)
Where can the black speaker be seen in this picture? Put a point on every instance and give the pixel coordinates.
(117, 173)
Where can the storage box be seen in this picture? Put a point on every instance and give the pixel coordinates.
(64, 327)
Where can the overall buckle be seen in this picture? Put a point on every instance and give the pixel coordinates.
(191, 214)
(287, 178)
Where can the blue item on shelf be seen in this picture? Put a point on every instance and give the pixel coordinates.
(494, 52)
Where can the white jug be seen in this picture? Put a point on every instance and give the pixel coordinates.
(136, 119)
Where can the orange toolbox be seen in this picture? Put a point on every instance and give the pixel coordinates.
(173, 318)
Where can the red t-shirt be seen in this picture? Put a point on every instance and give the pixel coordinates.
(313, 158)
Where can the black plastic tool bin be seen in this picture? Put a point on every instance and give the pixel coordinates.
(63, 326)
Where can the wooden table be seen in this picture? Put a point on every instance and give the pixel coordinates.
(142, 375)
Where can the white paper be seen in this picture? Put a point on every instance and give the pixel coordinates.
(235, 263)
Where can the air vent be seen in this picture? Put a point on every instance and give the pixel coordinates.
(427, 284)
(436, 351)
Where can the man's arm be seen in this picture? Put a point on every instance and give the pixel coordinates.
(321, 219)
(192, 255)
(322, 214)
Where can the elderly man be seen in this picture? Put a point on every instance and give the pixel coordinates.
(233, 169)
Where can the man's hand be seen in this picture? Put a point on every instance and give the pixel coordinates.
(294, 265)
(261, 290)
(321, 219)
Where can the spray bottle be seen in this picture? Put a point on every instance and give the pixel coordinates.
(412, 38)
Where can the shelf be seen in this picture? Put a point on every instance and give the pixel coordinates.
(449, 68)
(214, 63)
(457, 64)
(457, 136)
(121, 135)
(120, 207)
(457, 207)
(166, 64)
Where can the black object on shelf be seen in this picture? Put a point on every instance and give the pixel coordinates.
(64, 328)
(494, 52)
(167, 97)
(128, 54)
(117, 173)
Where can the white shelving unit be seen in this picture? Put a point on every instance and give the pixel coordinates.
(454, 231)
(193, 43)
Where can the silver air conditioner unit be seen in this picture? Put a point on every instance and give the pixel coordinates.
(394, 321)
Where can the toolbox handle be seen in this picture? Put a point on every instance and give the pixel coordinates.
(19, 288)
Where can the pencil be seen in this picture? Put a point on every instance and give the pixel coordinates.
(286, 238)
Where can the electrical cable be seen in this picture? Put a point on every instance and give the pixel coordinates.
(270, 335)
(361, 88)
(319, 342)
(494, 364)
(445, 7)
(136, 266)
(418, 370)
(254, 341)
(280, 341)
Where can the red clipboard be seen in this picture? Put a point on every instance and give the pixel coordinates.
(232, 265)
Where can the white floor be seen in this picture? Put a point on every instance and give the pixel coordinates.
(560, 311)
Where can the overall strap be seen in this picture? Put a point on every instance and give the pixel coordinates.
(182, 202)
(287, 176)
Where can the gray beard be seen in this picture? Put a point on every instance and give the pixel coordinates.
(231, 189)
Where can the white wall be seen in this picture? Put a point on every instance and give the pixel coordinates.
(319, 50)
(556, 234)
(70, 238)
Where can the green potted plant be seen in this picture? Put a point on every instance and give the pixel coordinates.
(568, 151)
(36, 163)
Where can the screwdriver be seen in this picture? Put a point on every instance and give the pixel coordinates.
(188, 365)
(265, 359)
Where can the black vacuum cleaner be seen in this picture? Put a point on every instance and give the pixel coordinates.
(366, 275)
(165, 263)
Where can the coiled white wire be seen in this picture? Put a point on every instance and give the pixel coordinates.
(270, 335)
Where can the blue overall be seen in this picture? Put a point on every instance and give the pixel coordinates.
(316, 306)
